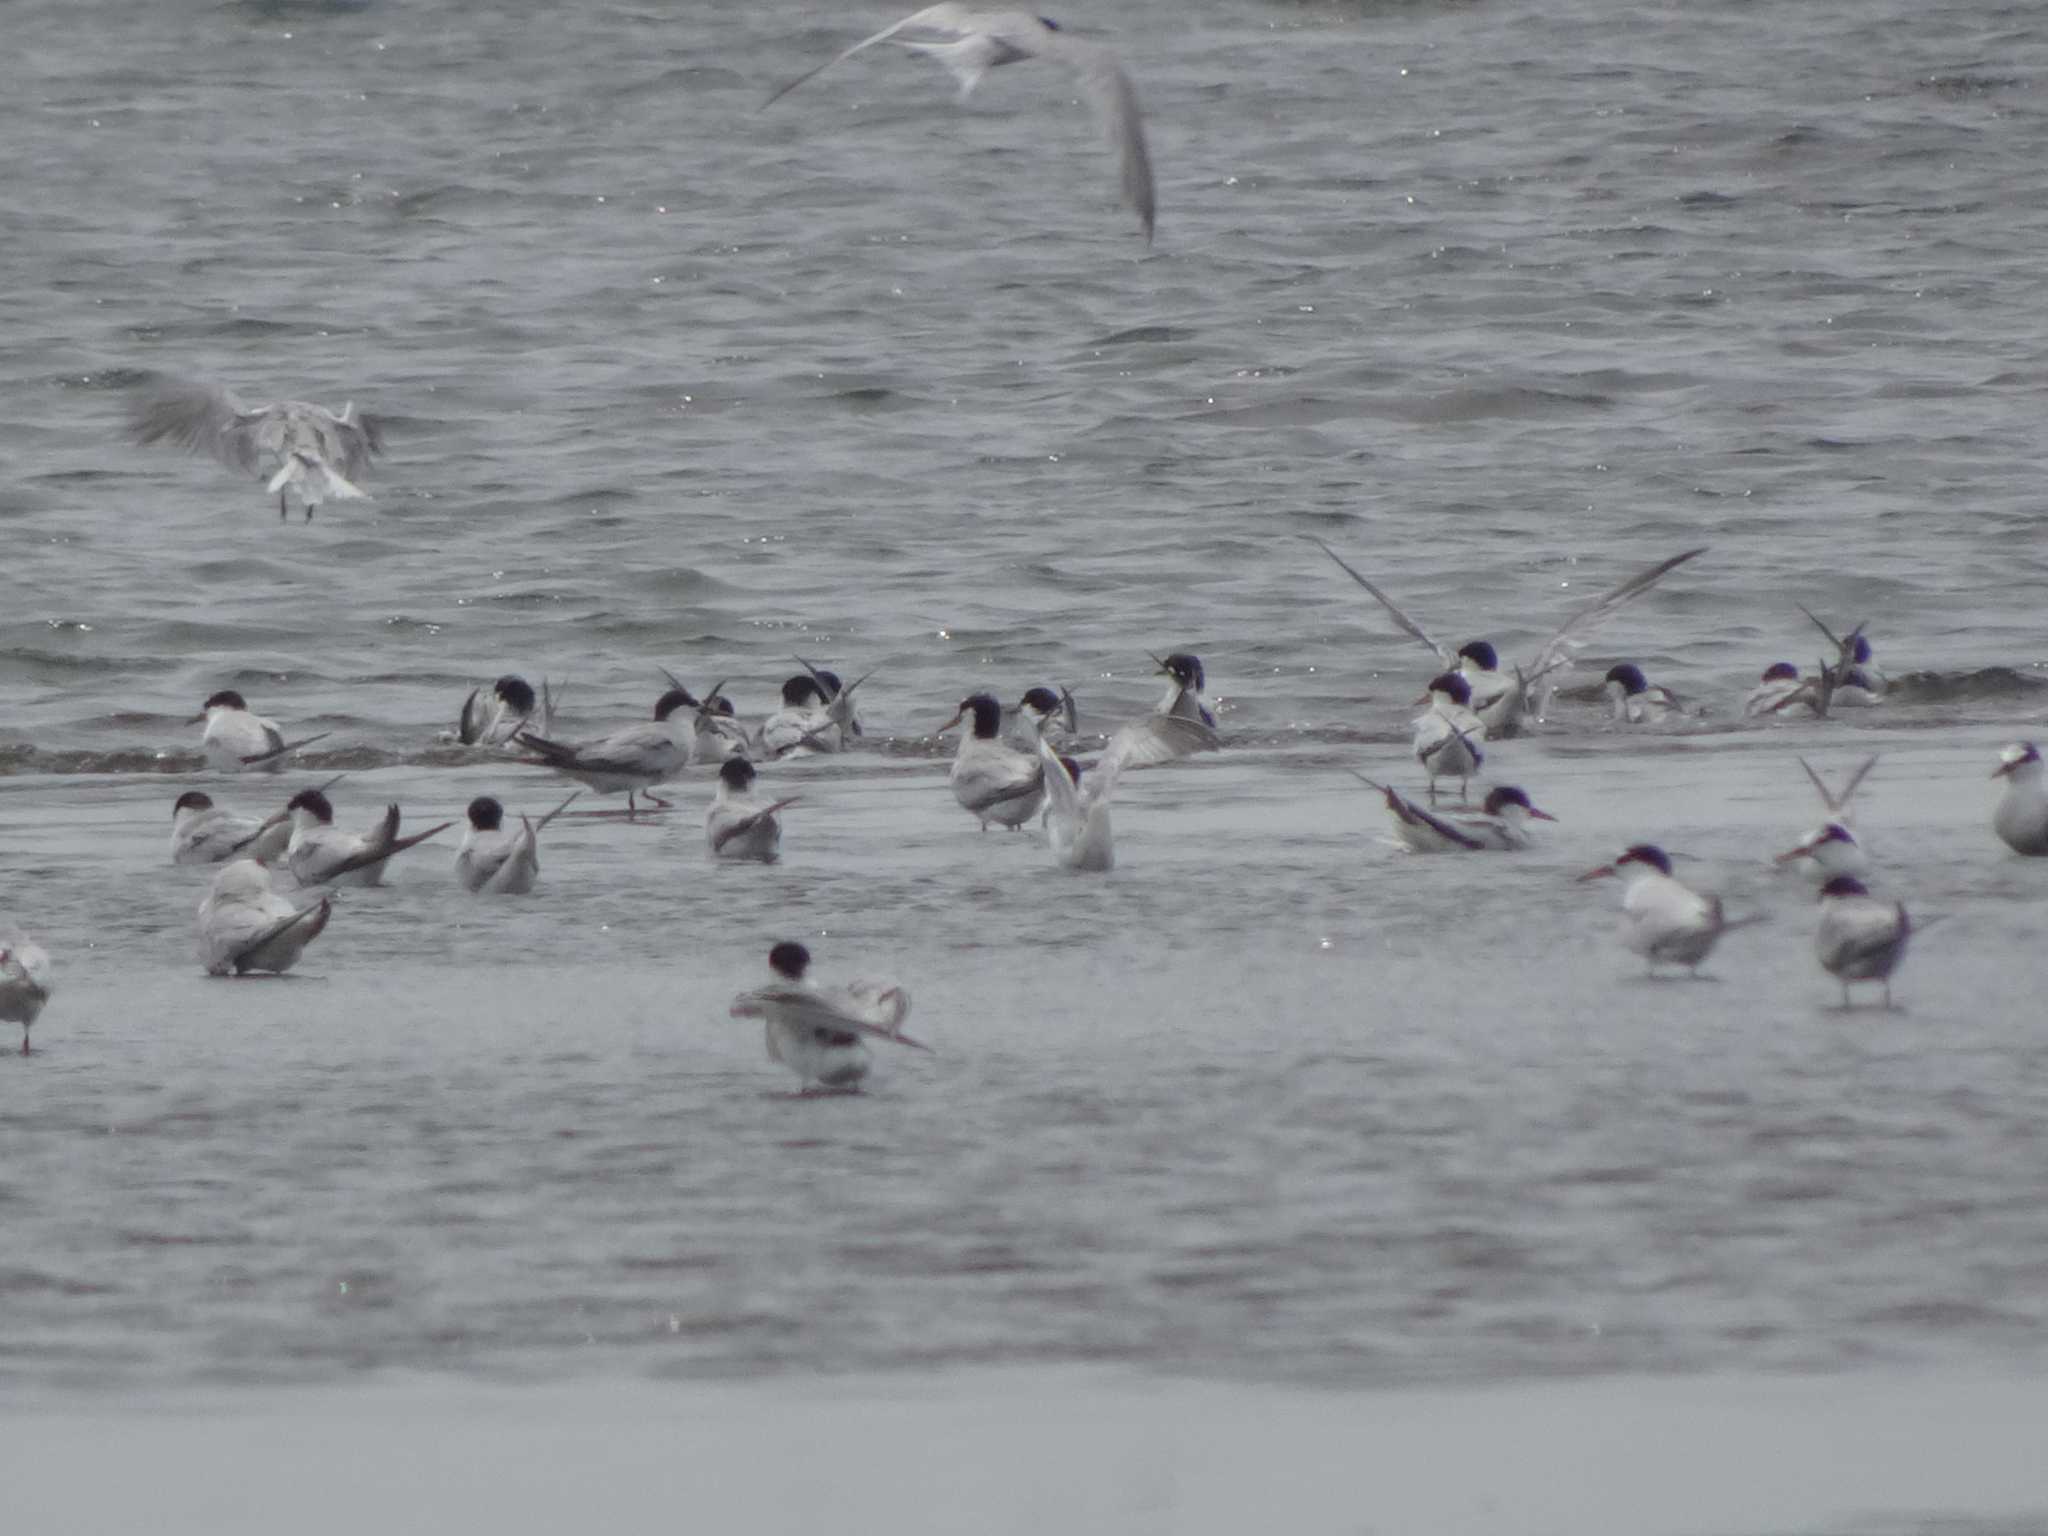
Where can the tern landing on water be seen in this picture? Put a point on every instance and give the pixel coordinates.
(970, 43)
(25, 980)
(237, 740)
(492, 716)
(816, 1031)
(1077, 796)
(1502, 701)
(1663, 920)
(2021, 819)
(320, 853)
(497, 860)
(1832, 848)
(633, 759)
(740, 824)
(1448, 734)
(1501, 826)
(246, 926)
(299, 449)
(1860, 938)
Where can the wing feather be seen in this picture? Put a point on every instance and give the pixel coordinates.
(1444, 653)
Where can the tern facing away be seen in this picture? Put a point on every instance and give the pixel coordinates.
(1664, 920)
(2021, 819)
(970, 43)
(238, 740)
(633, 759)
(1500, 701)
(246, 926)
(298, 449)
(320, 853)
(492, 717)
(739, 824)
(1860, 938)
(1077, 798)
(25, 980)
(496, 860)
(1832, 848)
(1502, 825)
(993, 781)
(816, 1031)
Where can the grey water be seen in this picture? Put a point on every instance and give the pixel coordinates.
(1504, 302)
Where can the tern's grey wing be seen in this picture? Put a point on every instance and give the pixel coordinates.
(355, 438)
(1409, 813)
(469, 728)
(1578, 629)
(1855, 783)
(946, 18)
(201, 417)
(1155, 738)
(864, 1008)
(1064, 800)
(1115, 103)
(1443, 652)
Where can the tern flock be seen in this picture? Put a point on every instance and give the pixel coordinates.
(273, 895)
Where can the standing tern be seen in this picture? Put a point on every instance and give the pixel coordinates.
(320, 853)
(1499, 701)
(238, 740)
(493, 717)
(1634, 698)
(993, 781)
(25, 980)
(633, 759)
(205, 833)
(2021, 819)
(496, 860)
(1448, 734)
(970, 43)
(1860, 938)
(739, 824)
(295, 447)
(1832, 848)
(1077, 799)
(244, 925)
(1662, 919)
(1502, 826)
(816, 1031)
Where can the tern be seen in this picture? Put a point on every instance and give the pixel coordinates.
(717, 734)
(838, 698)
(496, 860)
(1500, 701)
(1077, 799)
(320, 853)
(1448, 734)
(632, 759)
(205, 833)
(803, 726)
(25, 980)
(246, 926)
(1043, 714)
(1854, 680)
(1663, 920)
(2021, 819)
(493, 717)
(1860, 938)
(1501, 827)
(739, 824)
(1832, 848)
(816, 1031)
(970, 43)
(1634, 698)
(1782, 691)
(1185, 681)
(295, 447)
(238, 740)
(994, 782)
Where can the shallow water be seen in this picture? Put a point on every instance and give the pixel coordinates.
(1504, 302)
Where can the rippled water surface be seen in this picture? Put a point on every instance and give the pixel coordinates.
(1503, 301)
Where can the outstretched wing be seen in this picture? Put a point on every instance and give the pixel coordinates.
(1063, 799)
(1578, 629)
(1115, 103)
(1408, 813)
(1444, 653)
(868, 1008)
(1838, 805)
(1148, 741)
(204, 418)
(956, 19)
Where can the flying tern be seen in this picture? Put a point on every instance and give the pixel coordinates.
(816, 1031)
(970, 43)
(492, 717)
(632, 759)
(298, 449)
(1448, 734)
(1499, 700)
(1663, 920)
(1636, 700)
(244, 925)
(1860, 938)
(1502, 826)
(740, 824)
(994, 782)
(1832, 848)
(238, 740)
(497, 860)
(25, 980)
(2021, 819)
(320, 853)
(205, 833)
(1077, 798)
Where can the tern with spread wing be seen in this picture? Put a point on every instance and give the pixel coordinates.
(1499, 700)
(1860, 938)
(298, 449)
(740, 824)
(993, 781)
(2021, 820)
(244, 925)
(25, 980)
(1501, 826)
(238, 740)
(1832, 848)
(1077, 797)
(970, 43)
(817, 1031)
(1664, 920)
(633, 759)
(320, 853)
(497, 860)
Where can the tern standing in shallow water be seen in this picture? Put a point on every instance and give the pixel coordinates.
(1448, 734)
(244, 925)
(496, 860)
(1664, 920)
(238, 740)
(632, 759)
(298, 449)
(970, 43)
(992, 781)
(816, 1031)
(1860, 938)
(25, 980)
(2021, 820)
(739, 824)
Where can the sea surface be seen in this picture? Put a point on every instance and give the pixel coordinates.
(1503, 301)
